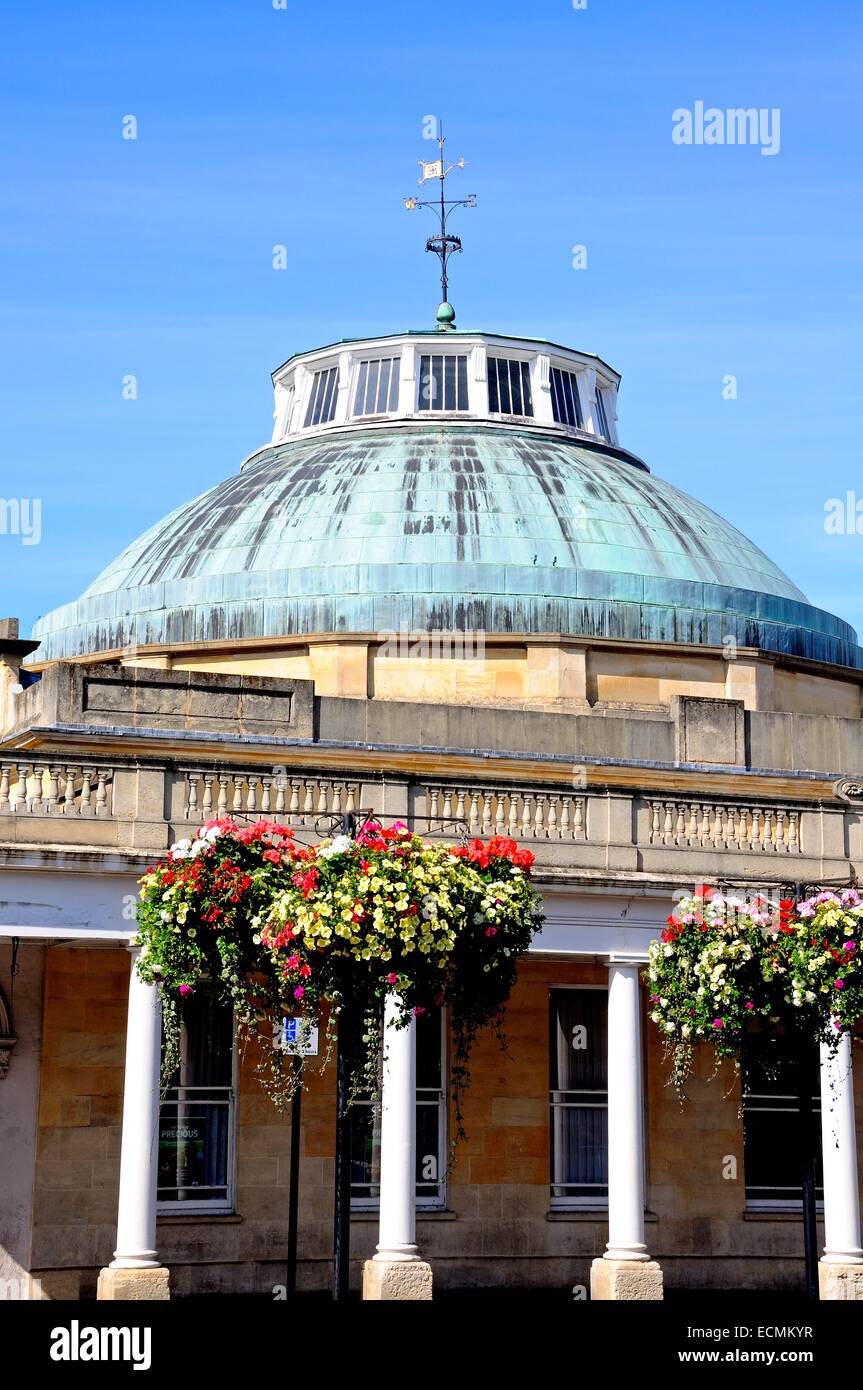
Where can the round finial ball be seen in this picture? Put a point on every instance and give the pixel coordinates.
(445, 314)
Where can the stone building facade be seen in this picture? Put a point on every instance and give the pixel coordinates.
(442, 593)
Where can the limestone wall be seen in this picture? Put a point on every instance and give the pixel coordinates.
(497, 1228)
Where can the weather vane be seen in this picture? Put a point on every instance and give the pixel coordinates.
(443, 244)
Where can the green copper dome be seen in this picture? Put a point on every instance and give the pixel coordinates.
(443, 526)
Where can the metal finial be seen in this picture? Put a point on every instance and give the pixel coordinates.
(443, 244)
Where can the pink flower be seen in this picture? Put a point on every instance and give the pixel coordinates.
(391, 979)
(292, 962)
(186, 989)
(838, 984)
(491, 931)
(419, 1010)
(749, 1004)
(299, 992)
(717, 1023)
(850, 946)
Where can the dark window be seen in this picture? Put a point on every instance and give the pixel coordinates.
(196, 1115)
(578, 1055)
(443, 382)
(377, 386)
(430, 1127)
(509, 387)
(601, 417)
(322, 401)
(565, 405)
(772, 1139)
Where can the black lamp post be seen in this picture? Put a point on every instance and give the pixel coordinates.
(342, 1188)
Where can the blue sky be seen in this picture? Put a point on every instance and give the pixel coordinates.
(303, 126)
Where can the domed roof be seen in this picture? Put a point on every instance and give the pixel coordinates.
(444, 526)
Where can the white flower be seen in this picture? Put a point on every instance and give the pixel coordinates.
(181, 849)
(341, 844)
(212, 834)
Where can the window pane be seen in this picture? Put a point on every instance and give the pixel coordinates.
(329, 406)
(449, 383)
(578, 1078)
(526, 398)
(378, 386)
(372, 389)
(509, 387)
(322, 400)
(564, 398)
(773, 1146)
(196, 1113)
(360, 397)
(442, 383)
(429, 384)
(600, 414)
(461, 403)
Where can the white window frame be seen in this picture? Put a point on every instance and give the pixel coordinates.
(432, 412)
(777, 1204)
(313, 373)
(602, 413)
(579, 384)
(571, 1203)
(214, 1206)
(523, 359)
(438, 1201)
(394, 355)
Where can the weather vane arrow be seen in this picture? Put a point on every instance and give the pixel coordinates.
(443, 243)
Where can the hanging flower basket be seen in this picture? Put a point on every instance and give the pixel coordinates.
(724, 958)
(279, 929)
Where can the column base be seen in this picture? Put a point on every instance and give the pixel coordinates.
(402, 1281)
(135, 1285)
(840, 1283)
(637, 1281)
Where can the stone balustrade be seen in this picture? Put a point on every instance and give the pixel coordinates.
(275, 794)
(141, 806)
(520, 814)
(751, 828)
(47, 788)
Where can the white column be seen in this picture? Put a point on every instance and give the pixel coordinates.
(625, 1116)
(136, 1218)
(839, 1148)
(397, 1231)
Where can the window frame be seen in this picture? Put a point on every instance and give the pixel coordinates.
(357, 364)
(788, 1105)
(569, 1203)
(601, 420)
(525, 365)
(436, 1202)
(454, 354)
(315, 373)
(574, 373)
(212, 1206)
